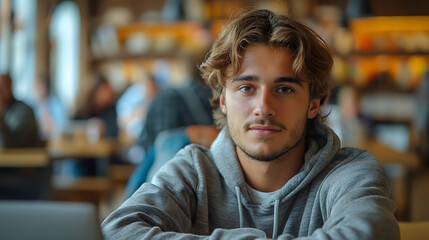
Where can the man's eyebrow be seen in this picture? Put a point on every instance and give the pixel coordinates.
(254, 78)
(288, 79)
(251, 78)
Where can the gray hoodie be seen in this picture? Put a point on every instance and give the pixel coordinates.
(339, 193)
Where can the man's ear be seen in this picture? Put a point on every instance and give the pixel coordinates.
(222, 103)
(313, 109)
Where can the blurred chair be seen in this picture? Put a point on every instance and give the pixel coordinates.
(414, 230)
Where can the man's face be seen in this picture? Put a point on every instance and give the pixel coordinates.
(266, 105)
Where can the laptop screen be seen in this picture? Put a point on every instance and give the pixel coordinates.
(48, 220)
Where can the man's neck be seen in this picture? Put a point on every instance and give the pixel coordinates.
(269, 176)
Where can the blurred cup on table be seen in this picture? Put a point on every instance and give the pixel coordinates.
(95, 130)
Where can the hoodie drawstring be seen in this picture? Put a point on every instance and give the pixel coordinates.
(276, 218)
(276, 212)
(240, 207)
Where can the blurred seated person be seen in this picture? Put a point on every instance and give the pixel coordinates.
(49, 110)
(356, 127)
(133, 105)
(176, 107)
(101, 122)
(99, 109)
(183, 115)
(180, 106)
(18, 127)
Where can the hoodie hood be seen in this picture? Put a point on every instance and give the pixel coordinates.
(322, 146)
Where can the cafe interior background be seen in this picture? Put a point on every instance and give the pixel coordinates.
(380, 80)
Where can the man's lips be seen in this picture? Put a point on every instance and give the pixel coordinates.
(264, 130)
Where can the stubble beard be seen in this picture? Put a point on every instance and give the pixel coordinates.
(296, 136)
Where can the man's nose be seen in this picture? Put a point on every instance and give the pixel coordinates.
(264, 104)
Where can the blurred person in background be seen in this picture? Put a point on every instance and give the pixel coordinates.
(99, 114)
(133, 104)
(180, 106)
(18, 129)
(176, 117)
(177, 107)
(18, 126)
(49, 110)
(356, 127)
(100, 109)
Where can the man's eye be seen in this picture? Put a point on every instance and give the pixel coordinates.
(285, 90)
(246, 89)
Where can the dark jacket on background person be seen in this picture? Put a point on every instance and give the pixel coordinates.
(174, 108)
(18, 127)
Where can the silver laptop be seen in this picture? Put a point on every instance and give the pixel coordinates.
(48, 220)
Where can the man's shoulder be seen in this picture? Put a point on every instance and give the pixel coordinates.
(193, 156)
(353, 155)
(195, 152)
(354, 164)
(355, 172)
(191, 161)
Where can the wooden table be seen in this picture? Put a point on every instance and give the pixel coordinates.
(387, 155)
(63, 148)
(24, 157)
(94, 189)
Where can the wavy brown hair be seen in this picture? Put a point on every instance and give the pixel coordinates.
(312, 60)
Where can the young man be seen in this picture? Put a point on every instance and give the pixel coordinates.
(275, 170)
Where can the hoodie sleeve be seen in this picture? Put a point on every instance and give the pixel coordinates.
(355, 202)
(167, 208)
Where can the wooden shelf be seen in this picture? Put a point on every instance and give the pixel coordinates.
(177, 30)
(378, 54)
(141, 56)
(372, 25)
(182, 38)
